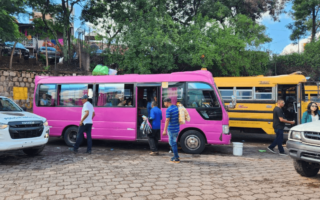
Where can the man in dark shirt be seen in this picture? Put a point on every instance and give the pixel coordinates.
(155, 118)
(278, 125)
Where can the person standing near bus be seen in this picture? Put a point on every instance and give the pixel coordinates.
(85, 125)
(173, 127)
(155, 118)
(312, 114)
(278, 125)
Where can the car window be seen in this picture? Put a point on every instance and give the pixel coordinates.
(8, 105)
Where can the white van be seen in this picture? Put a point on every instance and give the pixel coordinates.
(20, 129)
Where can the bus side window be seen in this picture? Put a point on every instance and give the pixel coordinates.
(263, 93)
(70, 94)
(115, 95)
(226, 92)
(47, 95)
(175, 91)
(244, 93)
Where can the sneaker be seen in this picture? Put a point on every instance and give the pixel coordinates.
(73, 150)
(283, 154)
(88, 152)
(271, 150)
(176, 160)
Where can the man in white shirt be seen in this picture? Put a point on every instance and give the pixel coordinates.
(85, 125)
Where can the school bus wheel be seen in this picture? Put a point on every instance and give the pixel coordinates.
(192, 142)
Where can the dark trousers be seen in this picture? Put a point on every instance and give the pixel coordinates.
(278, 140)
(153, 139)
(80, 136)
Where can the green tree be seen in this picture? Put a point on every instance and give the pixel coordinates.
(40, 29)
(61, 11)
(312, 57)
(150, 40)
(307, 18)
(9, 30)
(8, 9)
(184, 10)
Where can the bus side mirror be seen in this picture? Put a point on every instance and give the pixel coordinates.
(233, 102)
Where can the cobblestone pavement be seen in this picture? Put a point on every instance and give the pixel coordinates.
(124, 170)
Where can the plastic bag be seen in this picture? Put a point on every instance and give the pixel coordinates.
(61, 60)
(100, 70)
(113, 72)
(146, 127)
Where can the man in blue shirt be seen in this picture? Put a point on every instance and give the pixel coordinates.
(173, 127)
(155, 119)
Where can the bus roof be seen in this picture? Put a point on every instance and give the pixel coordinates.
(260, 81)
(199, 76)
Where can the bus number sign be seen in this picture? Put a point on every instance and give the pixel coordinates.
(264, 82)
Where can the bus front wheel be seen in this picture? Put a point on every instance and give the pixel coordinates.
(70, 136)
(192, 142)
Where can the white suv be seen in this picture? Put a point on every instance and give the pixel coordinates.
(20, 129)
(304, 147)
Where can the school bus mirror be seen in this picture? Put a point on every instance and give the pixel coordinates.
(233, 102)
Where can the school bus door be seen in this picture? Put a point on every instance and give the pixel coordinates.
(298, 103)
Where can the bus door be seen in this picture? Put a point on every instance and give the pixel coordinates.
(289, 93)
(146, 93)
(298, 103)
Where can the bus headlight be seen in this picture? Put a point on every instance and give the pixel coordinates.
(3, 126)
(225, 129)
(296, 135)
(45, 123)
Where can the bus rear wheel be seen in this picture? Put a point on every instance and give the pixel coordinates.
(70, 136)
(192, 142)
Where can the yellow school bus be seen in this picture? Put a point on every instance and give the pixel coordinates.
(257, 97)
(312, 92)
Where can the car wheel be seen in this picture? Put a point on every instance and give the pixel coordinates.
(70, 136)
(192, 142)
(305, 169)
(33, 151)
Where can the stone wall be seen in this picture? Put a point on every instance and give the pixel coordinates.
(10, 79)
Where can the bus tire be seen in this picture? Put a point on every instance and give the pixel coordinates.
(33, 151)
(192, 142)
(70, 136)
(305, 169)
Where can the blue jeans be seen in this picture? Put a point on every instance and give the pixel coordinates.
(173, 143)
(278, 140)
(80, 136)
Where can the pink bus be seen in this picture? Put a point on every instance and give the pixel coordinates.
(120, 101)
